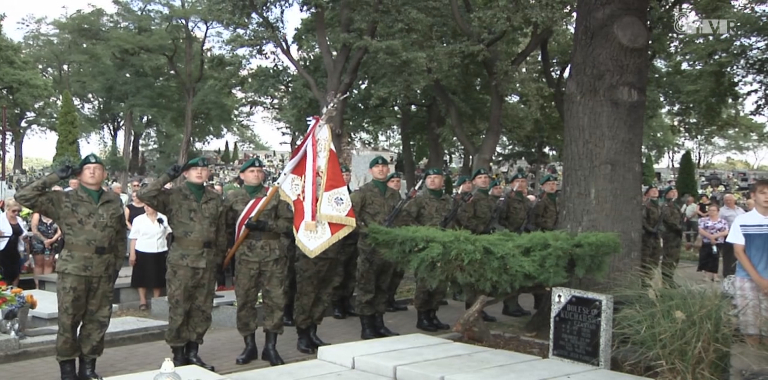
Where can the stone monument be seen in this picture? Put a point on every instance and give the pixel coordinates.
(581, 327)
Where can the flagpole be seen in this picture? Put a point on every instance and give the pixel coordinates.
(327, 113)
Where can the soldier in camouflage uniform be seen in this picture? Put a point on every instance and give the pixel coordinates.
(373, 203)
(394, 181)
(288, 245)
(497, 191)
(514, 218)
(672, 236)
(428, 209)
(199, 245)
(464, 184)
(544, 218)
(262, 265)
(651, 243)
(315, 278)
(347, 267)
(94, 224)
(475, 216)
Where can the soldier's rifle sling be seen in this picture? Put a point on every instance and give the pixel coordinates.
(500, 204)
(465, 198)
(393, 215)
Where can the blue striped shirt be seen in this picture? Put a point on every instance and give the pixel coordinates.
(751, 231)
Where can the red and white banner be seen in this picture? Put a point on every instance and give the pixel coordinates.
(313, 184)
(248, 212)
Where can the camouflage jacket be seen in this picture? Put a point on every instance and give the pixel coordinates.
(96, 240)
(371, 207)
(199, 240)
(672, 218)
(545, 213)
(476, 214)
(515, 213)
(651, 217)
(426, 210)
(259, 246)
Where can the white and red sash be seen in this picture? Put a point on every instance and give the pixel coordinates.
(248, 212)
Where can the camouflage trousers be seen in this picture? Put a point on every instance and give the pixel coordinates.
(290, 276)
(650, 252)
(190, 303)
(269, 277)
(426, 297)
(374, 276)
(344, 285)
(673, 243)
(397, 277)
(85, 302)
(314, 283)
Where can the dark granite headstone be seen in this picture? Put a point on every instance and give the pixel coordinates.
(581, 326)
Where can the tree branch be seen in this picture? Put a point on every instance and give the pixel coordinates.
(201, 68)
(493, 40)
(322, 40)
(453, 112)
(357, 58)
(533, 44)
(463, 26)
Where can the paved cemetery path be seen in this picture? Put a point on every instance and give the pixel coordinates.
(222, 345)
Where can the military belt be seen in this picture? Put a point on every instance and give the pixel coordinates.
(192, 244)
(264, 236)
(81, 248)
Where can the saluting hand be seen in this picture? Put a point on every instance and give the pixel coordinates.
(175, 171)
(65, 171)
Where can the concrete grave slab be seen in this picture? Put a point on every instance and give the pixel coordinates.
(117, 326)
(345, 354)
(533, 370)
(386, 364)
(186, 372)
(47, 304)
(296, 371)
(438, 369)
(600, 374)
(350, 375)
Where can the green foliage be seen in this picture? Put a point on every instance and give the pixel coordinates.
(497, 263)
(67, 127)
(235, 154)
(114, 161)
(649, 171)
(684, 333)
(687, 182)
(225, 157)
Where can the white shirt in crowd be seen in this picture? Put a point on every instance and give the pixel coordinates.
(150, 237)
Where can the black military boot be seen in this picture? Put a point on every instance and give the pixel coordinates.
(179, 356)
(316, 339)
(288, 315)
(392, 306)
(88, 370)
(269, 353)
(368, 331)
(515, 311)
(436, 322)
(381, 329)
(68, 369)
(251, 352)
(193, 357)
(339, 311)
(423, 322)
(304, 343)
(347, 302)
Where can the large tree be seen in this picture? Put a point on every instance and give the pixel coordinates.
(68, 144)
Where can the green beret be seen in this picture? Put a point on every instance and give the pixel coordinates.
(520, 174)
(649, 188)
(461, 180)
(433, 171)
(480, 171)
(394, 175)
(345, 169)
(253, 162)
(379, 160)
(548, 178)
(90, 159)
(198, 162)
(495, 183)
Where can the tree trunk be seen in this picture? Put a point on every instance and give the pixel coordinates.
(340, 138)
(405, 138)
(133, 165)
(18, 146)
(490, 142)
(605, 104)
(471, 325)
(435, 122)
(189, 95)
(127, 138)
(466, 166)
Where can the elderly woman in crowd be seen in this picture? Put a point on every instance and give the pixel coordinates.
(713, 230)
(13, 233)
(46, 244)
(149, 250)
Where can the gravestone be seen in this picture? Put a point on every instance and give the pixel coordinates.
(581, 327)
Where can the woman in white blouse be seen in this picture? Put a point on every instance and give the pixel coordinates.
(149, 249)
(13, 235)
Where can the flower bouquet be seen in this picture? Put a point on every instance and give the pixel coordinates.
(15, 306)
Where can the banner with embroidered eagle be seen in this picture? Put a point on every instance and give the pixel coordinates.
(313, 184)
